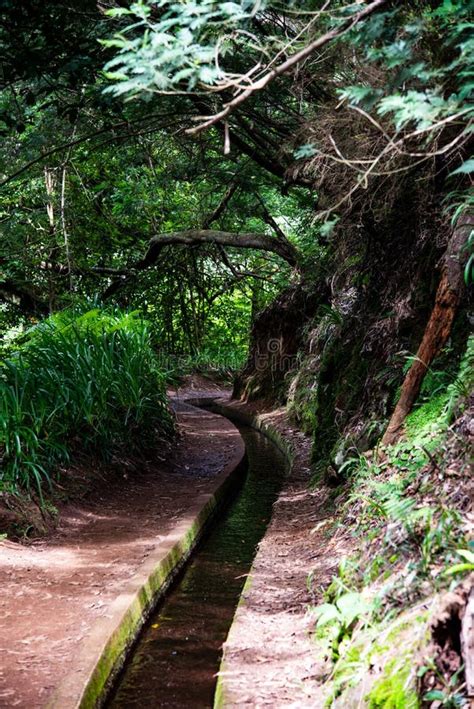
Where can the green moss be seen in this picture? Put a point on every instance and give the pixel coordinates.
(431, 419)
(393, 647)
(375, 568)
(394, 689)
(427, 419)
(354, 260)
(345, 671)
(220, 692)
(156, 585)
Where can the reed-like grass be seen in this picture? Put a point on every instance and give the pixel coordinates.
(79, 381)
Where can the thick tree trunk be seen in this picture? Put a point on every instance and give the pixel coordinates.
(438, 328)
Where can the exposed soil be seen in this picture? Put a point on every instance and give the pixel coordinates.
(54, 589)
(269, 658)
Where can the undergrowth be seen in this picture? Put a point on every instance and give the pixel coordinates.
(217, 364)
(408, 516)
(87, 380)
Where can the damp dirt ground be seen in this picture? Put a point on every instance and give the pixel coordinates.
(269, 657)
(54, 590)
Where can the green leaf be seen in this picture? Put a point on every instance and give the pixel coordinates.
(458, 568)
(328, 226)
(351, 606)
(465, 168)
(326, 613)
(422, 671)
(305, 151)
(469, 270)
(433, 695)
(118, 12)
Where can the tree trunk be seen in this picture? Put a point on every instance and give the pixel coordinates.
(50, 184)
(438, 328)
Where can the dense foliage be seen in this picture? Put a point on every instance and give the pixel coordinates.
(86, 382)
(88, 179)
(413, 543)
(286, 180)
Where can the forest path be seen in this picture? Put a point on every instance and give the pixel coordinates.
(269, 655)
(58, 591)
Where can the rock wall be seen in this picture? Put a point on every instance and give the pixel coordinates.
(335, 347)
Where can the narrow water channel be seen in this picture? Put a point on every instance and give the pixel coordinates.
(178, 653)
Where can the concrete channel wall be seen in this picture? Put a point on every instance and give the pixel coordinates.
(105, 650)
(235, 413)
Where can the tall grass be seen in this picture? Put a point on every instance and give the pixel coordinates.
(87, 381)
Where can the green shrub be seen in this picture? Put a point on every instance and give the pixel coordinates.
(88, 380)
(459, 391)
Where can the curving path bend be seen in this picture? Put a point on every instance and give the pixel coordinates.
(63, 597)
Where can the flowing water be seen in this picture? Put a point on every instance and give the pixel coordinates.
(177, 655)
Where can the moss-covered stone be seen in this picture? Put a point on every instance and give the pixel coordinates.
(377, 668)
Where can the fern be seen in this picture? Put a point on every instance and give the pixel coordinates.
(463, 384)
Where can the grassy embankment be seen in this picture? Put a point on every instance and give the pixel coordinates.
(387, 629)
(78, 381)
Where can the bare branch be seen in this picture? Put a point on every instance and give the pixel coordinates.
(285, 66)
(241, 240)
(238, 275)
(271, 221)
(221, 206)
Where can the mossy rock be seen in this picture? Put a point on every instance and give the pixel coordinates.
(377, 670)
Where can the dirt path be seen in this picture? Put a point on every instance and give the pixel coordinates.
(55, 591)
(269, 659)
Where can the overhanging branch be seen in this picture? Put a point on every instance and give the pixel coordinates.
(240, 240)
(199, 237)
(285, 66)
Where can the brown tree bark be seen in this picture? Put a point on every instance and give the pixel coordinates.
(241, 240)
(438, 328)
(203, 235)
